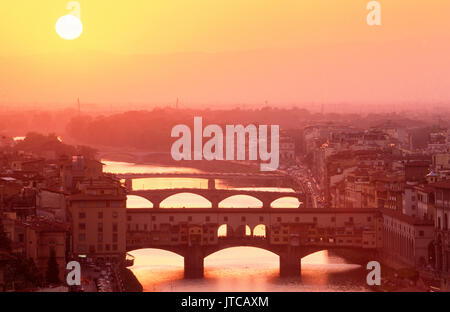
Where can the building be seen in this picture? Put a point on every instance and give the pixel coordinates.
(4, 258)
(38, 239)
(52, 203)
(77, 169)
(425, 202)
(441, 161)
(287, 149)
(406, 240)
(98, 214)
(442, 232)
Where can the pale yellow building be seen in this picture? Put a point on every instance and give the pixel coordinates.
(98, 214)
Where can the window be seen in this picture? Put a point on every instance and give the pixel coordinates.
(100, 227)
(225, 219)
(82, 226)
(189, 218)
(107, 247)
(82, 215)
(350, 219)
(171, 219)
(100, 238)
(100, 247)
(153, 218)
(315, 219)
(128, 218)
(116, 204)
(297, 219)
(333, 219)
(100, 215)
(261, 219)
(243, 218)
(115, 214)
(207, 219)
(115, 227)
(81, 237)
(279, 219)
(421, 233)
(115, 238)
(369, 219)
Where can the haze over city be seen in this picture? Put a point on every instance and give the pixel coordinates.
(226, 54)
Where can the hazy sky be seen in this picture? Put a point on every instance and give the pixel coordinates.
(226, 52)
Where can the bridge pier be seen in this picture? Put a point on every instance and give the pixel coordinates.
(129, 184)
(194, 263)
(290, 264)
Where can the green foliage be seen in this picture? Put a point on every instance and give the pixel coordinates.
(52, 273)
(22, 273)
(36, 143)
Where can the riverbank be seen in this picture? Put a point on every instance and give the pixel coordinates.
(166, 160)
(128, 281)
(397, 278)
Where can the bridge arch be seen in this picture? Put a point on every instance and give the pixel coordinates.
(225, 230)
(179, 200)
(260, 230)
(135, 201)
(157, 251)
(285, 202)
(241, 201)
(215, 252)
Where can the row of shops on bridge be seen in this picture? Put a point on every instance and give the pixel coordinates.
(184, 233)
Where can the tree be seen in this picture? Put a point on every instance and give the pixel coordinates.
(5, 242)
(52, 273)
(22, 273)
(33, 275)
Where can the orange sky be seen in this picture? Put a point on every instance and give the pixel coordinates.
(225, 52)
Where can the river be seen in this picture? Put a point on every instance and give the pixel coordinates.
(233, 269)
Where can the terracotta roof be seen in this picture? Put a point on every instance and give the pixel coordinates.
(405, 218)
(442, 184)
(96, 197)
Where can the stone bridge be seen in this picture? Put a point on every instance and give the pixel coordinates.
(215, 196)
(289, 233)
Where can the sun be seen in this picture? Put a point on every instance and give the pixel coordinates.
(69, 27)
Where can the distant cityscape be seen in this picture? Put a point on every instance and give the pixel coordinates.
(370, 190)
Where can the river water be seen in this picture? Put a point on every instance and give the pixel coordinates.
(233, 269)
